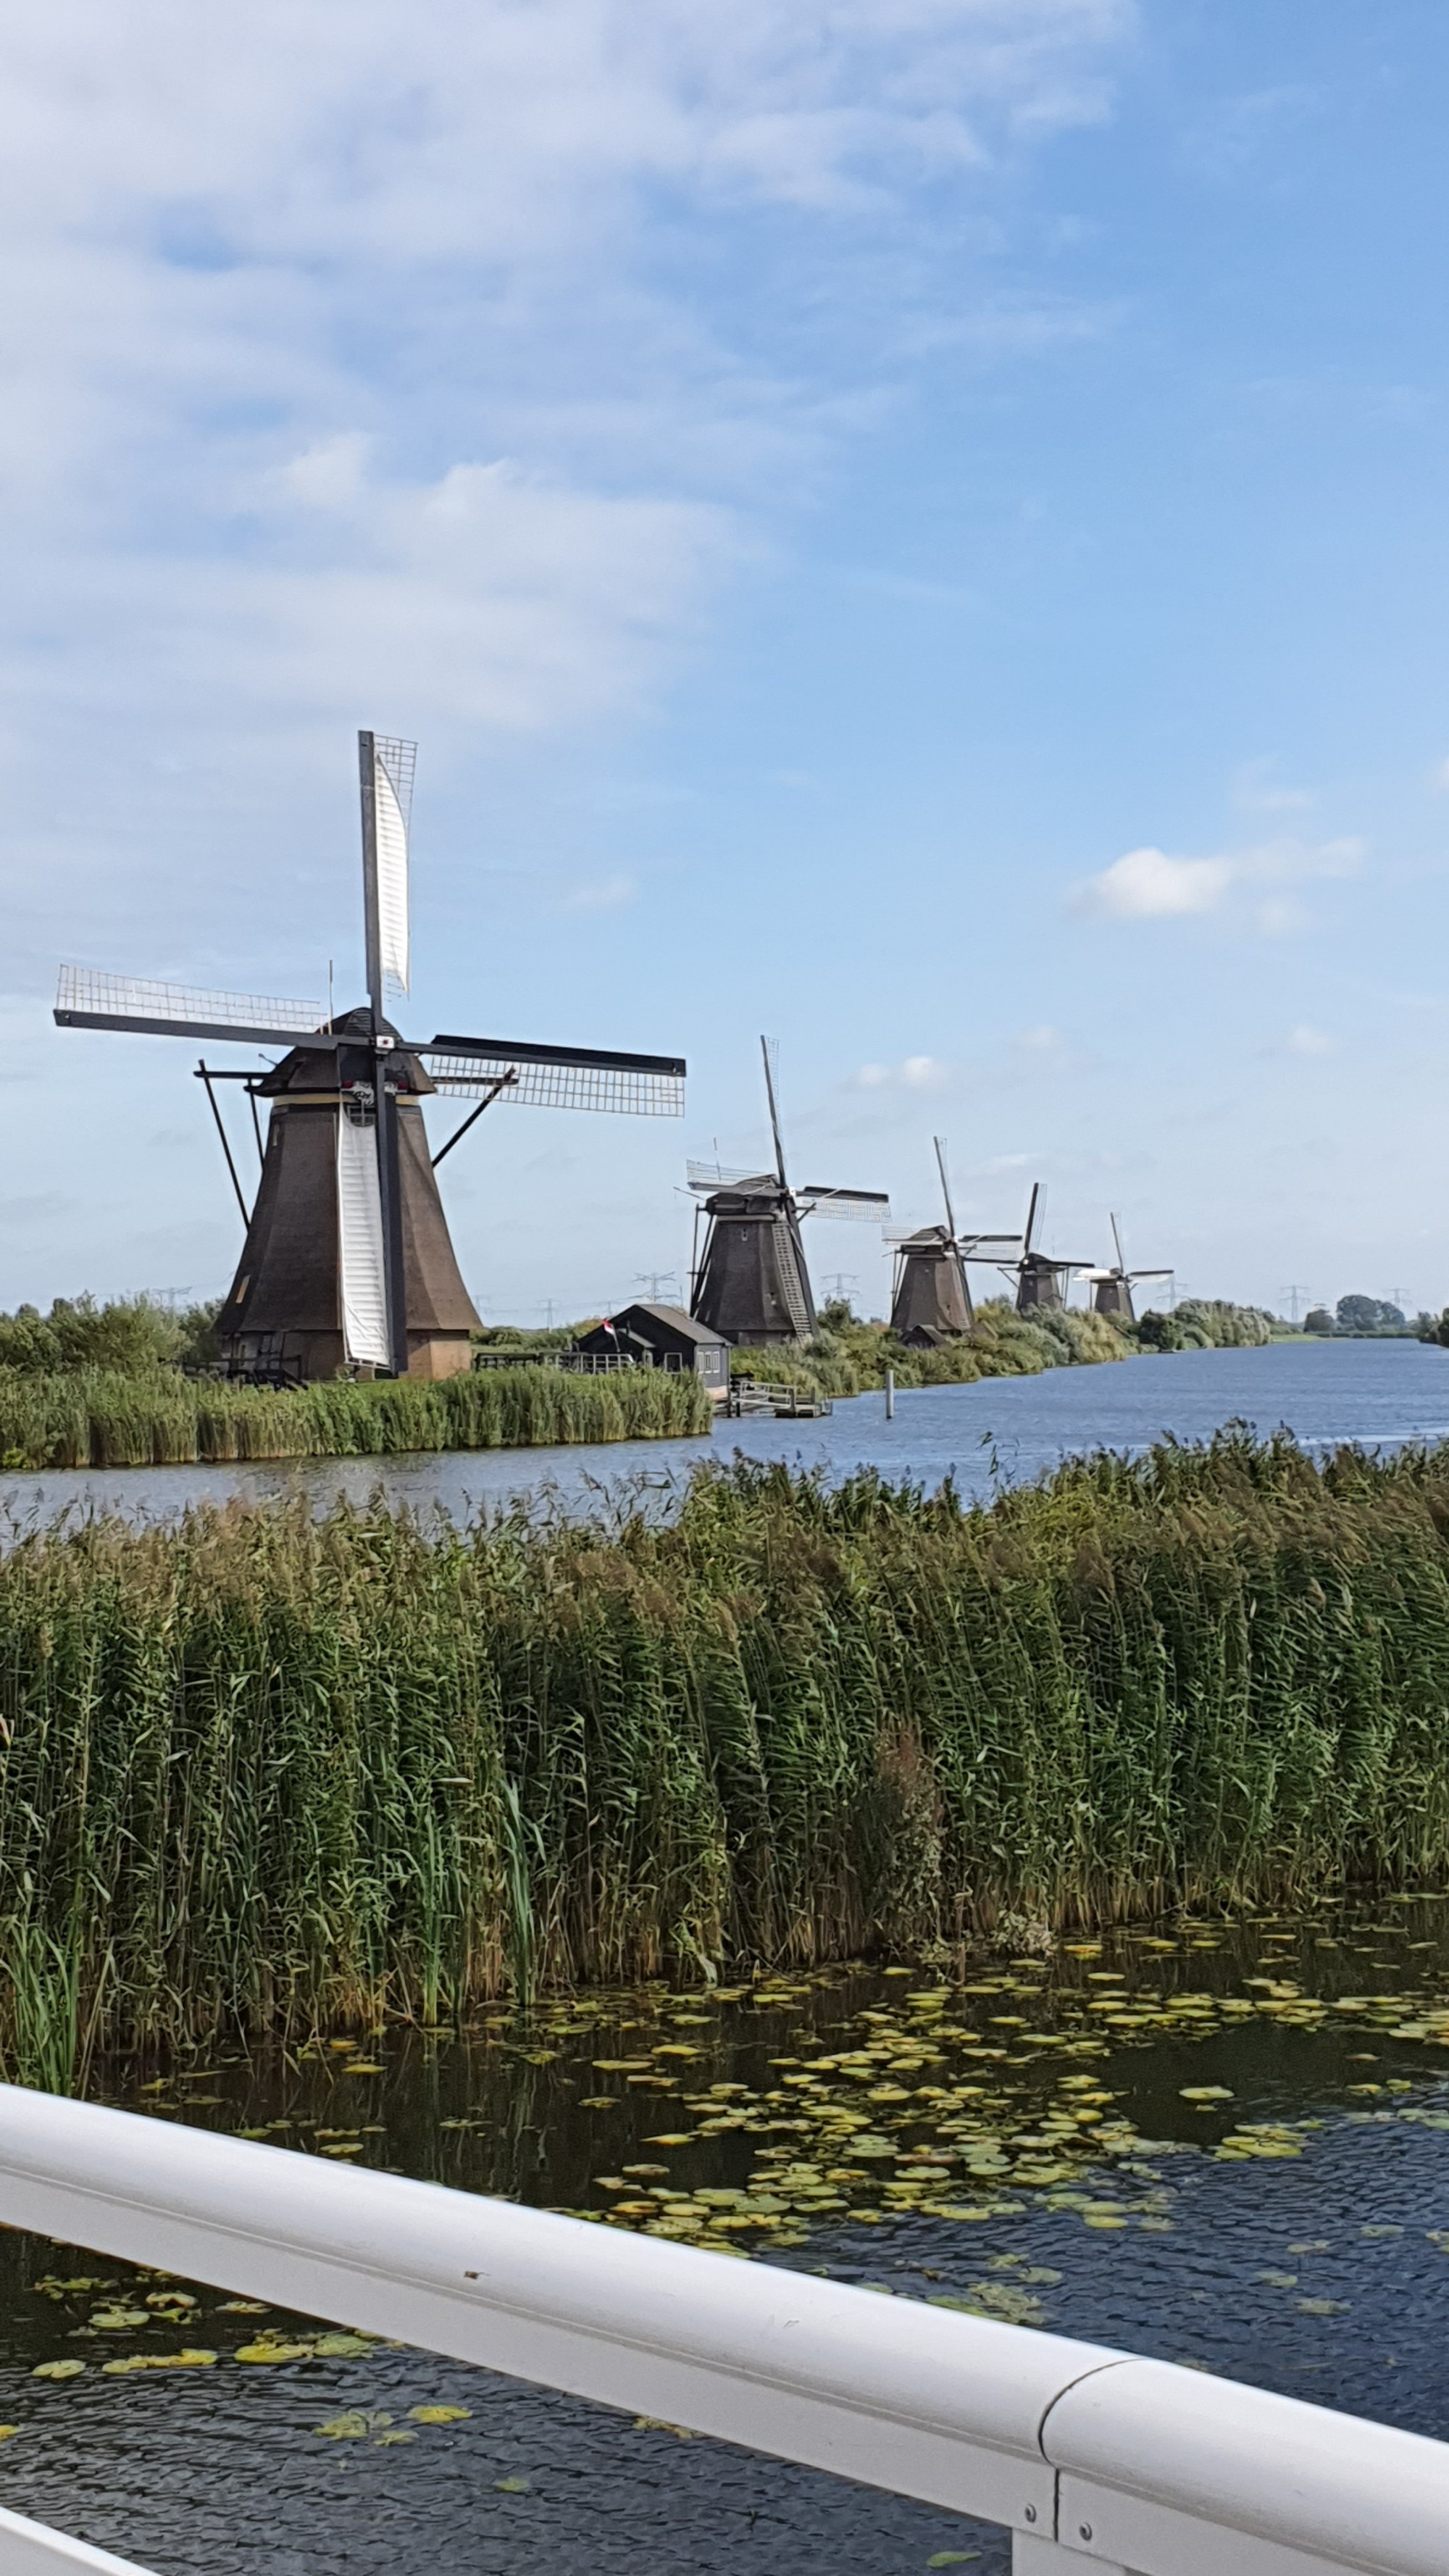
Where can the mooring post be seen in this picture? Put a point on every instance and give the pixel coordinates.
(890, 1395)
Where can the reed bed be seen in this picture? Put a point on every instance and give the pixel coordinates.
(110, 1418)
(270, 1772)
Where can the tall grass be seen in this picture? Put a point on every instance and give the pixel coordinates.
(106, 1418)
(267, 1771)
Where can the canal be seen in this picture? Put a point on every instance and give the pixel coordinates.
(1001, 1430)
(1224, 2144)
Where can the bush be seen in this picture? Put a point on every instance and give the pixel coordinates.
(1206, 1324)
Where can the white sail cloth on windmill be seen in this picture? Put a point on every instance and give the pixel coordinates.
(386, 768)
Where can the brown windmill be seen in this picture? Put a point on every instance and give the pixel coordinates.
(752, 1285)
(1112, 1289)
(1039, 1277)
(931, 1300)
(348, 1264)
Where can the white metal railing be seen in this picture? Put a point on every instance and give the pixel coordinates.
(1094, 2459)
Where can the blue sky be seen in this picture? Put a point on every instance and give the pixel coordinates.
(916, 526)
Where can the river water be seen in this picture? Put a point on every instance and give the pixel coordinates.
(1380, 1394)
(1227, 2145)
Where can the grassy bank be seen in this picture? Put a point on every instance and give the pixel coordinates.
(848, 1356)
(112, 1418)
(270, 1771)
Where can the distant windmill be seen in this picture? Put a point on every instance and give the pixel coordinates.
(348, 1262)
(1112, 1289)
(931, 1299)
(1038, 1278)
(752, 1285)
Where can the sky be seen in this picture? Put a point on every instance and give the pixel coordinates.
(914, 527)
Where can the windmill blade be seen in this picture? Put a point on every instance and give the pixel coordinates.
(970, 1244)
(717, 1176)
(88, 999)
(645, 1086)
(1117, 1239)
(871, 1207)
(385, 774)
(774, 1112)
(940, 1144)
(1148, 1274)
(1038, 1199)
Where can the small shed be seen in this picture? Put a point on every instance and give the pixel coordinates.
(663, 1337)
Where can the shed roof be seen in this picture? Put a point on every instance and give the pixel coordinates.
(674, 1318)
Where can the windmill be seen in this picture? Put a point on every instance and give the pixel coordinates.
(752, 1284)
(1038, 1277)
(348, 1263)
(1112, 1289)
(931, 1298)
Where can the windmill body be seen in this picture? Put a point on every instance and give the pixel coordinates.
(1041, 1282)
(348, 1265)
(1112, 1289)
(307, 1297)
(931, 1302)
(752, 1285)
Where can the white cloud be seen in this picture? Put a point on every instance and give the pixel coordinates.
(342, 377)
(1304, 1040)
(917, 1073)
(1147, 885)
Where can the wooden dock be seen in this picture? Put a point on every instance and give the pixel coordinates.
(787, 1403)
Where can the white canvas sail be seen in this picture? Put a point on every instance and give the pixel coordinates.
(392, 863)
(359, 1245)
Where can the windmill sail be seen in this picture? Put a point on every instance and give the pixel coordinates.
(87, 998)
(869, 1207)
(393, 783)
(648, 1086)
(362, 1267)
(385, 774)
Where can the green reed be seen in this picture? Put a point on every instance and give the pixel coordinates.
(267, 1771)
(105, 1418)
